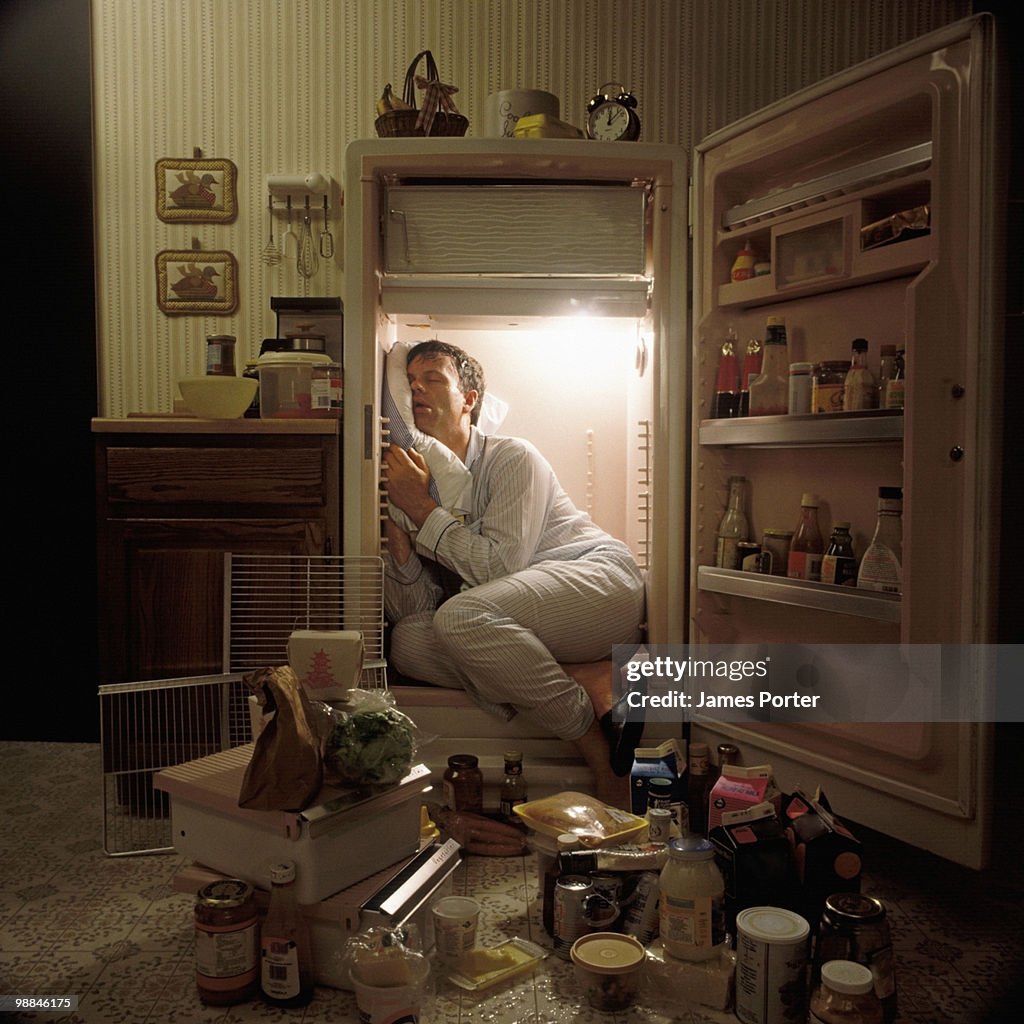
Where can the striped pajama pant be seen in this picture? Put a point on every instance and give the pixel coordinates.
(502, 641)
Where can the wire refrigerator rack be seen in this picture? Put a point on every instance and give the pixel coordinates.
(151, 725)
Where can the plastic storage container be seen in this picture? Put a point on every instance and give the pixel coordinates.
(285, 383)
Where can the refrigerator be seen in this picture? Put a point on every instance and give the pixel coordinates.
(565, 267)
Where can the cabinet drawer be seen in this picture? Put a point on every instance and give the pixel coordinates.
(214, 476)
(452, 230)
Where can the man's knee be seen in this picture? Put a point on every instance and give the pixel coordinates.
(456, 619)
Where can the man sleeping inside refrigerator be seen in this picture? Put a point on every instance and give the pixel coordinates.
(504, 589)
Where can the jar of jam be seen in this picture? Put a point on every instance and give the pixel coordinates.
(463, 784)
(827, 386)
(853, 927)
(227, 958)
(844, 996)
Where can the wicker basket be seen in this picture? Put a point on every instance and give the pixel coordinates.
(400, 123)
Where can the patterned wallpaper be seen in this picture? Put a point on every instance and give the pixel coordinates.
(281, 86)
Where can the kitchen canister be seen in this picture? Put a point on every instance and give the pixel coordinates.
(771, 958)
(504, 108)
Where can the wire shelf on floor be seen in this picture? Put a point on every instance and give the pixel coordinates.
(147, 726)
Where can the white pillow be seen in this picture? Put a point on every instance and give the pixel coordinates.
(451, 484)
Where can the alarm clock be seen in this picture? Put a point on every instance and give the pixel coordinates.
(612, 116)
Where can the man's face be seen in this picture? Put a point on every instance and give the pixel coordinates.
(438, 404)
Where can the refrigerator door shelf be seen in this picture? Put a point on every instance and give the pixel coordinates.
(869, 426)
(781, 590)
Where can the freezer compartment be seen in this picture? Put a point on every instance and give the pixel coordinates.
(347, 836)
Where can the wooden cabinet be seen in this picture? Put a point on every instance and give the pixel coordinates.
(173, 497)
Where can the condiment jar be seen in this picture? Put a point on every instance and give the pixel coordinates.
(845, 995)
(827, 386)
(227, 959)
(220, 355)
(692, 904)
(854, 927)
(325, 388)
(463, 784)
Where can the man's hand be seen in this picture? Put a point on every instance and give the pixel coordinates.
(408, 482)
(481, 835)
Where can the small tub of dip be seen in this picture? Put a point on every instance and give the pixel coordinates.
(608, 968)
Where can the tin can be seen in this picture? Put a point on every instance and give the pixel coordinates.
(570, 917)
(800, 385)
(854, 927)
(771, 962)
(748, 554)
(640, 918)
(603, 908)
(226, 942)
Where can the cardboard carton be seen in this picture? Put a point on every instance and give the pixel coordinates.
(739, 788)
(668, 761)
(329, 663)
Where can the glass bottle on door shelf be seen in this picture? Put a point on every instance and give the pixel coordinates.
(727, 395)
(859, 389)
(286, 969)
(882, 566)
(769, 390)
(513, 786)
(892, 397)
(752, 361)
(733, 526)
(806, 548)
(838, 564)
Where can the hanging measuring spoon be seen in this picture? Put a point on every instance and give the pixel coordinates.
(326, 238)
(307, 261)
(290, 240)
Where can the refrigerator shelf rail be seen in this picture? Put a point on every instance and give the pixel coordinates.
(866, 604)
(850, 179)
(870, 426)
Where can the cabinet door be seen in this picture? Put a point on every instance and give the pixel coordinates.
(161, 601)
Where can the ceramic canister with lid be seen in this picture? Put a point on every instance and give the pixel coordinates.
(692, 905)
(771, 952)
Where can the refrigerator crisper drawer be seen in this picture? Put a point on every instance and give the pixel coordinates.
(334, 844)
(558, 230)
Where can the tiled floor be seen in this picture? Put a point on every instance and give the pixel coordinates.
(114, 933)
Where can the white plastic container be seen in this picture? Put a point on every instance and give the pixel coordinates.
(771, 951)
(285, 383)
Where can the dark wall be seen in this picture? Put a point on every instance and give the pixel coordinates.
(50, 364)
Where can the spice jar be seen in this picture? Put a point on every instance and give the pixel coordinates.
(692, 904)
(463, 784)
(226, 947)
(845, 995)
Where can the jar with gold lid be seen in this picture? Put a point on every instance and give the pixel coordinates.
(226, 942)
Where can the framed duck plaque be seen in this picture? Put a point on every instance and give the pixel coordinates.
(196, 282)
(196, 191)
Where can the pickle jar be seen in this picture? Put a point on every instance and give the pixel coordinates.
(463, 784)
(227, 959)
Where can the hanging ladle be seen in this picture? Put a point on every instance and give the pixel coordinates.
(326, 238)
(308, 262)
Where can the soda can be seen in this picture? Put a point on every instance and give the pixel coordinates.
(640, 918)
(570, 917)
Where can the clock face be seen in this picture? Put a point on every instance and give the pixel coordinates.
(611, 121)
